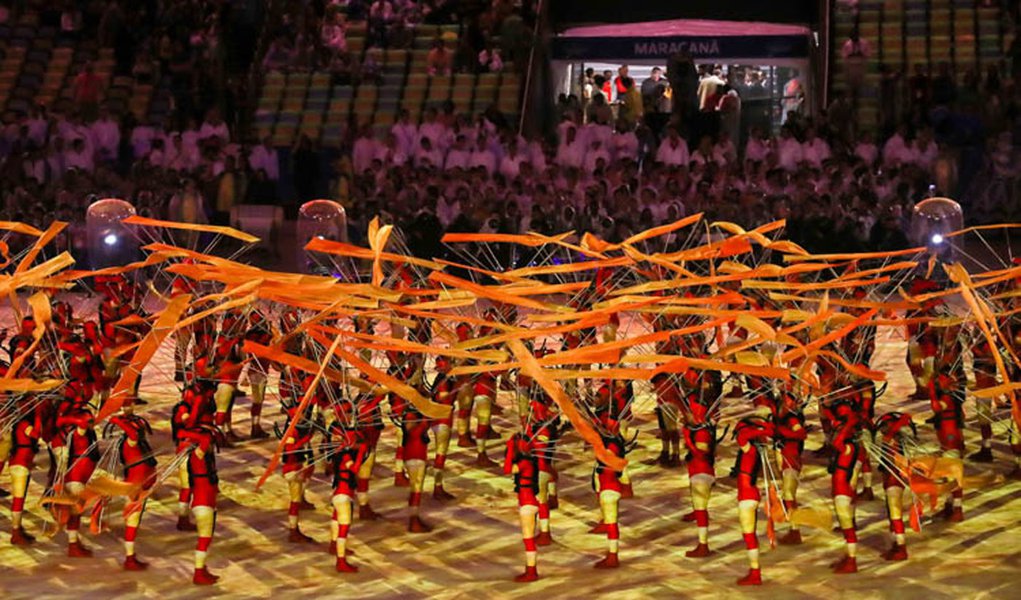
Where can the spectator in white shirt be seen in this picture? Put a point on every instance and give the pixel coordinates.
(406, 133)
(866, 149)
(434, 130)
(428, 155)
(365, 149)
(265, 157)
(482, 156)
(107, 135)
(141, 140)
(897, 149)
(814, 150)
(673, 150)
(510, 166)
(214, 128)
(705, 153)
(79, 157)
(571, 152)
(758, 146)
(449, 208)
(459, 154)
(624, 143)
(925, 151)
(180, 157)
(388, 153)
(596, 158)
(789, 151)
(725, 148)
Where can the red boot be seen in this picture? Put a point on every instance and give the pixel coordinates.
(600, 529)
(19, 537)
(401, 479)
(345, 567)
(699, 551)
(295, 536)
(258, 433)
(131, 563)
(865, 495)
(754, 577)
(956, 515)
(184, 524)
(610, 561)
(553, 502)
(791, 538)
(332, 549)
(204, 577)
(78, 550)
(417, 525)
(689, 517)
(848, 565)
(896, 552)
(543, 538)
(483, 461)
(530, 574)
(441, 494)
(465, 441)
(365, 513)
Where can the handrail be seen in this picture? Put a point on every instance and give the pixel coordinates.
(531, 62)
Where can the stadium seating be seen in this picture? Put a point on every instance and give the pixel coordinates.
(908, 32)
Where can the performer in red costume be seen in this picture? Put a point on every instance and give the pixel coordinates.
(444, 392)
(700, 442)
(297, 463)
(26, 434)
(668, 406)
(75, 423)
(201, 463)
(410, 369)
(349, 452)
(608, 486)
(195, 409)
(522, 462)
(369, 426)
(790, 434)
(864, 395)
(259, 332)
(847, 426)
(752, 434)
(947, 398)
(415, 448)
(228, 360)
(543, 429)
(139, 464)
(892, 429)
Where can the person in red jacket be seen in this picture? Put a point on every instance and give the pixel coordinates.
(260, 332)
(139, 463)
(893, 429)
(349, 451)
(26, 434)
(444, 392)
(76, 424)
(415, 448)
(700, 442)
(609, 488)
(297, 465)
(202, 442)
(847, 424)
(521, 462)
(196, 408)
(753, 435)
(789, 422)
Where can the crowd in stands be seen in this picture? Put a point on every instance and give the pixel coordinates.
(618, 162)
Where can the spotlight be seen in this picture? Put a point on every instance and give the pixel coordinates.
(110, 239)
(937, 239)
